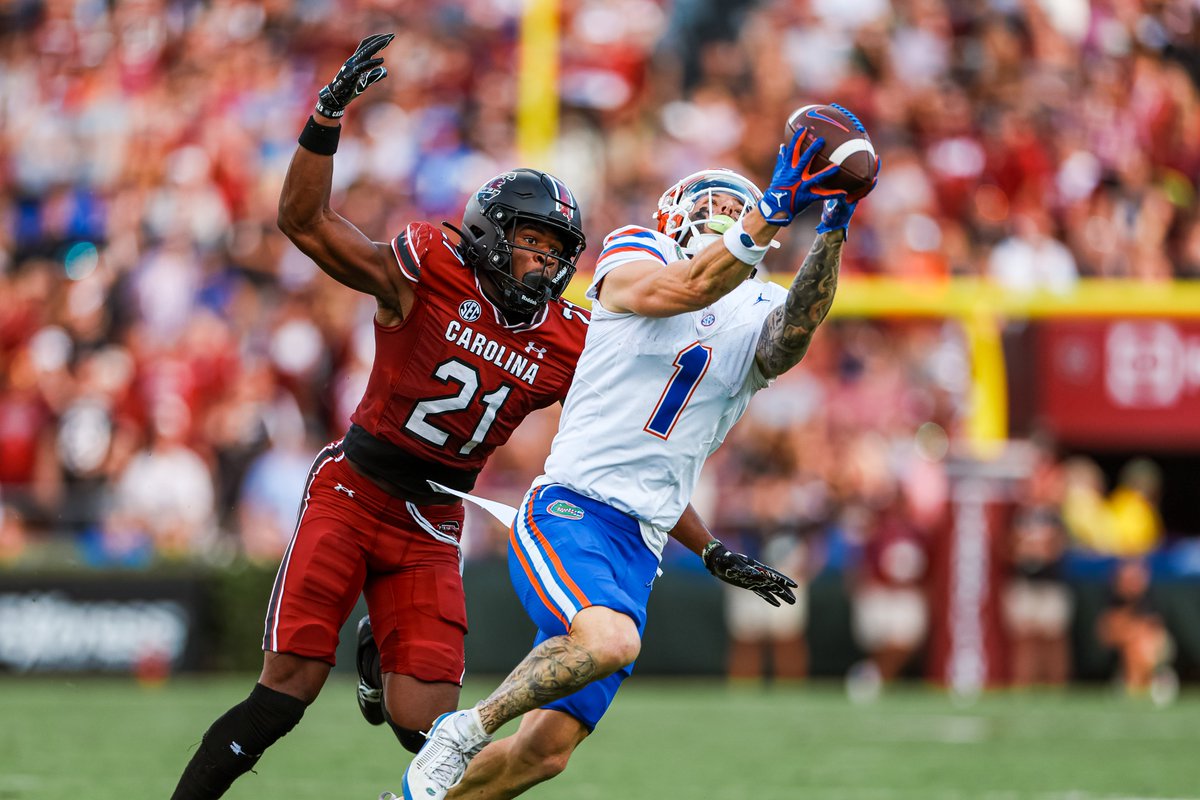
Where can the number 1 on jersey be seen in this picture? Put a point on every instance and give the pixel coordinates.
(690, 365)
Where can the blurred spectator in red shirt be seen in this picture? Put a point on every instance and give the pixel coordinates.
(890, 610)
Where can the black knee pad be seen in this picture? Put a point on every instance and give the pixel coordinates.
(236, 741)
(410, 740)
(367, 655)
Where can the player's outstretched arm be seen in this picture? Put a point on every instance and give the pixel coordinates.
(652, 290)
(788, 330)
(649, 289)
(305, 217)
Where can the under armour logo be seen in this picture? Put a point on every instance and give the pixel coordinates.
(237, 749)
(533, 348)
(344, 490)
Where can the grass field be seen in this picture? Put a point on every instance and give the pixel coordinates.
(114, 740)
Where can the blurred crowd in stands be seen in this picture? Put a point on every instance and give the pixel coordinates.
(169, 363)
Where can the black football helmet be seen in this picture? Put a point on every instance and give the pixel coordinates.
(490, 222)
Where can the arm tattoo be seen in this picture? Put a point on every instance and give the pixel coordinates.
(555, 668)
(788, 330)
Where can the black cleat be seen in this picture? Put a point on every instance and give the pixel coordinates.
(370, 693)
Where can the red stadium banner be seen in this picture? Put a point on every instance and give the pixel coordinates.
(1120, 383)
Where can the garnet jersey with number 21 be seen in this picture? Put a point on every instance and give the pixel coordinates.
(451, 382)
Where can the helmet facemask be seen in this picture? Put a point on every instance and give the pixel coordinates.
(532, 292)
(688, 212)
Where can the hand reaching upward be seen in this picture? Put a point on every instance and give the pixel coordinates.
(360, 71)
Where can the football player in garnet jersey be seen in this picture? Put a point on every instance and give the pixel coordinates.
(470, 337)
(679, 341)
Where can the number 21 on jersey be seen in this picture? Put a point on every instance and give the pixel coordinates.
(690, 365)
(467, 378)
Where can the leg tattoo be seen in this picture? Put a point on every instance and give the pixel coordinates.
(555, 668)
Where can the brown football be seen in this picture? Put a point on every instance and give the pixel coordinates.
(845, 145)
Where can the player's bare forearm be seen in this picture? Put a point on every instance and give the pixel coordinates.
(307, 186)
(340, 249)
(691, 532)
(715, 269)
(555, 668)
(789, 329)
(652, 290)
(304, 201)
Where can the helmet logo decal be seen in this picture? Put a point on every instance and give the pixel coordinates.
(564, 201)
(492, 187)
(469, 310)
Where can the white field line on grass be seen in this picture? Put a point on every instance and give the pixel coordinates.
(15, 781)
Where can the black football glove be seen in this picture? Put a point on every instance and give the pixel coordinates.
(746, 573)
(359, 72)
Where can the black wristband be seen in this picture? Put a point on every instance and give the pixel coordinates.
(320, 139)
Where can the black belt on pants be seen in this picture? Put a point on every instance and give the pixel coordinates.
(402, 474)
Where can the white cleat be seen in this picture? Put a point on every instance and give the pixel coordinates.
(450, 745)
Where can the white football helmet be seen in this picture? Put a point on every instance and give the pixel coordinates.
(686, 209)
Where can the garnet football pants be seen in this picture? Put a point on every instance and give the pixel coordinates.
(353, 537)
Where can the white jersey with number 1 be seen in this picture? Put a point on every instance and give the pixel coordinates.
(652, 398)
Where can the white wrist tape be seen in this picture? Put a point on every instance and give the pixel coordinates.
(743, 248)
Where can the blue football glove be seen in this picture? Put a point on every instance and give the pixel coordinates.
(793, 187)
(837, 211)
(835, 215)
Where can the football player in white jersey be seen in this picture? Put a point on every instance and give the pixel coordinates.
(679, 341)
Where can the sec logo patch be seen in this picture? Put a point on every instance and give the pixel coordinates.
(469, 310)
